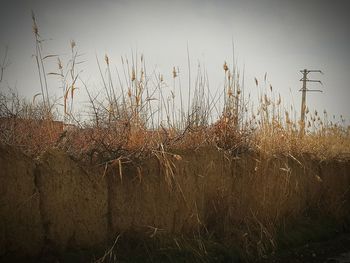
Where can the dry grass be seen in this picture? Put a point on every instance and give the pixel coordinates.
(138, 117)
(140, 112)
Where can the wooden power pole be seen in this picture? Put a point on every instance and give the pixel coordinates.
(304, 79)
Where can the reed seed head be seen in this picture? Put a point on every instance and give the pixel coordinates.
(72, 44)
(107, 59)
(256, 82)
(174, 73)
(133, 74)
(225, 67)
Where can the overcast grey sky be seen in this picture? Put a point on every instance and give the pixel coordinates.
(274, 36)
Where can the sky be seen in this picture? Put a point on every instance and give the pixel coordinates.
(276, 37)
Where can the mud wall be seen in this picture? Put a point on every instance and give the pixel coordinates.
(21, 228)
(54, 204)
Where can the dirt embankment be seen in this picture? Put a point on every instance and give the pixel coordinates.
(21, 228)
(52, 204)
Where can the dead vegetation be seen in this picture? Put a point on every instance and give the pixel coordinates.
(266, 175)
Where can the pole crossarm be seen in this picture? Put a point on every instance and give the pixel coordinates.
(314, 90)
(311, 80)
(312, 70)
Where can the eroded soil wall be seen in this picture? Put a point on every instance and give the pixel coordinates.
(53, 204)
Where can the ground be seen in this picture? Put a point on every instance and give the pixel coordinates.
(336, 250)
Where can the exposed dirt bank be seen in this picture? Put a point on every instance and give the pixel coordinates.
(245, 203)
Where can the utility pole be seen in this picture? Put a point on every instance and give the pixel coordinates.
(304, 79)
